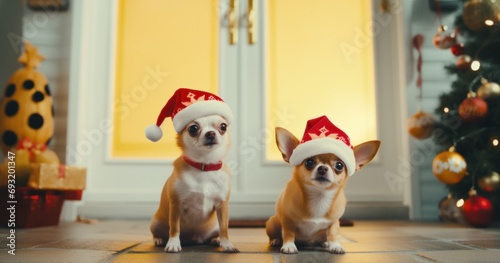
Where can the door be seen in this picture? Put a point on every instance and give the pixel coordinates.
(285, 63)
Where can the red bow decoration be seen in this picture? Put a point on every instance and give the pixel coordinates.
(32, 148)
(62, 172)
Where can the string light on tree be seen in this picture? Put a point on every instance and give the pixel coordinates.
(475, 65)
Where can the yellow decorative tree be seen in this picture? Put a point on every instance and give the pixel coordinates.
(26, 110)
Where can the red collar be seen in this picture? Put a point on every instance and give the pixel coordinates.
(203, 166)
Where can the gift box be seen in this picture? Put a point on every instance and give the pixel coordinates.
(57, 177)
(73, 195)
(31, 208)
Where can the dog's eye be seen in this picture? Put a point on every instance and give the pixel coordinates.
(339, 166)
(223, 127)
(193, 130)
(309, 164)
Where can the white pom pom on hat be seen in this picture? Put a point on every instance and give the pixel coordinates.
(321, 136)
(185, 106)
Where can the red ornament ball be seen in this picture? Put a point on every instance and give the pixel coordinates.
(478, 211)
(457, 49)
(473, 109)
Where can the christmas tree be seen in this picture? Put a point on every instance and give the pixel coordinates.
(469, 115)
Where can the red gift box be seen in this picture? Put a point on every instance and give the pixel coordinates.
(30, 208)
(73, 195)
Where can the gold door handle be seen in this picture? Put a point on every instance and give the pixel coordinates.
(252, 21)
(233, 21)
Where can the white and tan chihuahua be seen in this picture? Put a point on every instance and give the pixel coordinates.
(309, 208)
(194, 201)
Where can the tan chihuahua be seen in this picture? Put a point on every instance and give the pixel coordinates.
(194, 201)
(309, 208)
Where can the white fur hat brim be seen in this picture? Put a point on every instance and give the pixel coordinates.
(201, 109)
(324, 146)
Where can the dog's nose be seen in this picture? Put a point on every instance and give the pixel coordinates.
(210, 135)
(322, 170)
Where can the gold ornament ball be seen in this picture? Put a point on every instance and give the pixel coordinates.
(489, 90)
(475, 12)
(449, 167)
(490, 182)
(420, 125)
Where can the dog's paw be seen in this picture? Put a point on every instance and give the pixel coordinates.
(215, 242)
(289, 248)
(275, 242)
(159, 242)
(173, 245)
(226, 246)
(334, 247)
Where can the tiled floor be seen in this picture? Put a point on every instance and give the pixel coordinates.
(130, 241)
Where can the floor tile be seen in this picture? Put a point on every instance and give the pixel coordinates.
(56, 256)
(89, 244)
(463, 233)
(149, 247)
(482, 244)
(310, 257)
(392, 246)
(395, 239)
(195, 257)
(462, 256)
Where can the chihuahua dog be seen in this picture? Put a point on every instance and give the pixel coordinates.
(309, 208)
(194, 201)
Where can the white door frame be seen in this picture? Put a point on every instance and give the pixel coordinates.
(114, 192)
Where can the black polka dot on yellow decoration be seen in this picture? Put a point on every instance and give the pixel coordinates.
(9, 91)
(35, 121)
(47, 89)
(9, 138)
(52, 110)
(11, 108)
(37, 96)
(28, 84)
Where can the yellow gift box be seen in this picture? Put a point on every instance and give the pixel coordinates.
(57, 177)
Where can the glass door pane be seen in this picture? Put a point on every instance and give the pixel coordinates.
(320, 61)
(161, 45)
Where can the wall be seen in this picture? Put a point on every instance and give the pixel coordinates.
(10, 25)
(50, 32)
(435, 81)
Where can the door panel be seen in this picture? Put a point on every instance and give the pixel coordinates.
(310, 73)
(160, 46)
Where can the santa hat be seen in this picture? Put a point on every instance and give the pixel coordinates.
(322, 137)
(185, 106)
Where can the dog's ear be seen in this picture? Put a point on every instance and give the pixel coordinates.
(365, 152)
(286, 142)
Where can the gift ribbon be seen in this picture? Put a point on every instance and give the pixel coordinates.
(62, 172)
(32, 148)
